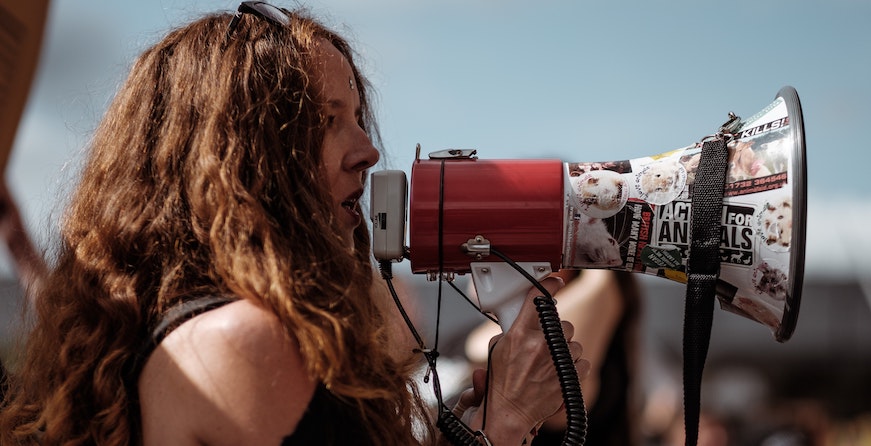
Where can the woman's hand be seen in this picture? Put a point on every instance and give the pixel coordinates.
(523, 388)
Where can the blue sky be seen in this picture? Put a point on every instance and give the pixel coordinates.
(579, 81)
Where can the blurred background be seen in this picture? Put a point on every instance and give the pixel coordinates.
(577, 81)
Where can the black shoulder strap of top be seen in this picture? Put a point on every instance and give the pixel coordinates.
(177, 315)
(180, 314)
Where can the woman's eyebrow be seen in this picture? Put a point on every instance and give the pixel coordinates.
(338, 104)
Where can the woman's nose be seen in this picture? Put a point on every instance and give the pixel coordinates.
(364, 154)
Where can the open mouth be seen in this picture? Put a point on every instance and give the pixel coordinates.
(350, 204)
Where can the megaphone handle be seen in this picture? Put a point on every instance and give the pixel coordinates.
(500, 288)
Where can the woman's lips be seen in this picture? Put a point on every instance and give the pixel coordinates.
(352, 210)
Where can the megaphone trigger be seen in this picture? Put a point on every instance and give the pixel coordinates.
(501, 289)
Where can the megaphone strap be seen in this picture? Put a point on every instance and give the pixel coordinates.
(703, 269)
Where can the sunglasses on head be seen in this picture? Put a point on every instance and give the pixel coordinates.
(272, 14)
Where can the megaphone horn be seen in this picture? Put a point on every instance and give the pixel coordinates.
(630, 215)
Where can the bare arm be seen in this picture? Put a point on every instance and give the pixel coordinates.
(230, 376)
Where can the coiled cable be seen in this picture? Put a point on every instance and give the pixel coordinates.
(576, 416)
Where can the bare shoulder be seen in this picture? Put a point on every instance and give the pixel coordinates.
(232, 375)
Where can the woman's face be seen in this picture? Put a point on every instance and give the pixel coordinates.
(347, 150)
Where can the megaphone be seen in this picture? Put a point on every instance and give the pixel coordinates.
(630, 215)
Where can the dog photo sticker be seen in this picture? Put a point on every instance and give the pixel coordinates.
(660, 182)
(774, 224)
(770, 280)
(600, 193)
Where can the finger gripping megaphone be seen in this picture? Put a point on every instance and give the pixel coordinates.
(630, 215)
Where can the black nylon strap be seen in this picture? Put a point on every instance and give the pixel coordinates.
(703, 270)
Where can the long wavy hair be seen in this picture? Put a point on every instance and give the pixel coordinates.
(205, 178)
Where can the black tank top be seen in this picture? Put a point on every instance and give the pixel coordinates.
(328, 420)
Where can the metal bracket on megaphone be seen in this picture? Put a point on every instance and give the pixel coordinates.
(477, 248)
(732, 125)
(726, 132)
(453, 154)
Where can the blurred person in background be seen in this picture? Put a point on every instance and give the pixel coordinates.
(30, 268)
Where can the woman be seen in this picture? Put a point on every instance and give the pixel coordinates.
(228, 169)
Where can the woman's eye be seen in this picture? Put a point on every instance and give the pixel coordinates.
(331, 120)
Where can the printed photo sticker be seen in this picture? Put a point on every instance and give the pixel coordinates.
(600, 193)
(660, 182)
(774, 224)
(593, 245)
(770, 280)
